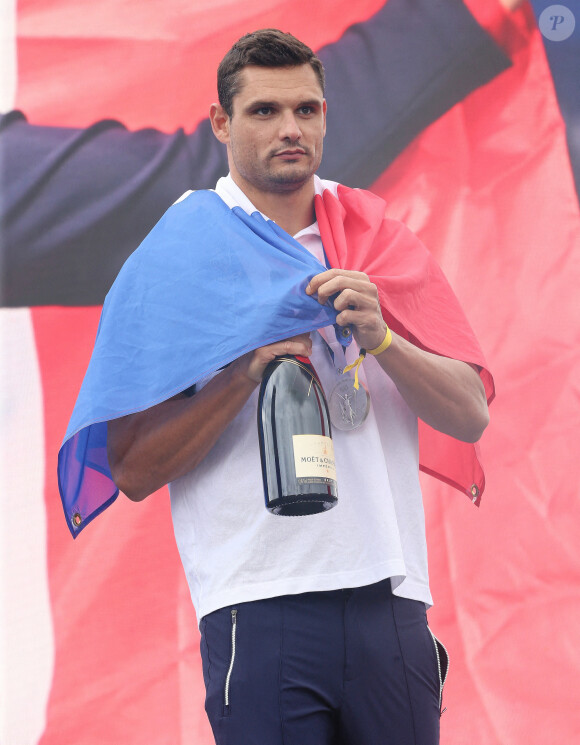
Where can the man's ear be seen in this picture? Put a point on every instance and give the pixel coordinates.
(220, 122)
(324, 114)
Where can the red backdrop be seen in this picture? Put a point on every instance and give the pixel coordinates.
(488, 188)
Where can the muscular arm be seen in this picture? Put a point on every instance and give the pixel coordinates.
(447, 394)
(149, 449)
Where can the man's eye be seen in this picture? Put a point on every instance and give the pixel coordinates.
(263, 111)
(306, 110)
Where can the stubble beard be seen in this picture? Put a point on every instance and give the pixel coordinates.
(282, 176)
(287, 175)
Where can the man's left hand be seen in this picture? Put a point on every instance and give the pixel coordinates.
(447, 394)
(357, 303)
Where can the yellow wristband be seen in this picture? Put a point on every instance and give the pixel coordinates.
(386, 343)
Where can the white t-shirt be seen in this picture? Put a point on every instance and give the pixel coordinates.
(233, 550)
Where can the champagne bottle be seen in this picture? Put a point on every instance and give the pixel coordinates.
(295, 439)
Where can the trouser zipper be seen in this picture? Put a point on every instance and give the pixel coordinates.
(232, 658)
(442, 676)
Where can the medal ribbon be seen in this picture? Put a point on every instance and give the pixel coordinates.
(355, 366)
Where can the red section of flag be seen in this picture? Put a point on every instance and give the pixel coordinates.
(417, 302)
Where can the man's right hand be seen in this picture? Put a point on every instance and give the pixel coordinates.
(254, 363)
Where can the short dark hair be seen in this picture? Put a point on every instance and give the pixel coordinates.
(267, 47)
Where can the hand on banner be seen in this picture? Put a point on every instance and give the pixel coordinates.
(445, 393)
(357, 303)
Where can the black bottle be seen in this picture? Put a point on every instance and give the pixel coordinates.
(295, 439)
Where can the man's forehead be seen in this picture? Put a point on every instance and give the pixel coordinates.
(272, 83)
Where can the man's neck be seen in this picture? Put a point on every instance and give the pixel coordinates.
(292, 211)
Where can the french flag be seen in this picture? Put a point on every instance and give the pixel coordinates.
(191, 299)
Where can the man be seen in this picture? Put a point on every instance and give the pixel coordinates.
(313, 629)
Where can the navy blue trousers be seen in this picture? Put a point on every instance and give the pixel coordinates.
(347, 667)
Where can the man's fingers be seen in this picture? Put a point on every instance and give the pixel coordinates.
(356, 300)
(300, 345)
(339, 284)
(342, 278)
(353, 300)
(305, 338)
(357, 294)
(288, 346)
(296, 345)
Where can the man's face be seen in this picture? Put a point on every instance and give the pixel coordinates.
(275, 134)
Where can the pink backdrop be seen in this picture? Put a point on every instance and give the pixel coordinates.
(488, 188)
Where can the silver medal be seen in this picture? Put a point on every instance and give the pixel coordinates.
(348, 406)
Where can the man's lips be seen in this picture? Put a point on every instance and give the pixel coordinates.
(290, 154)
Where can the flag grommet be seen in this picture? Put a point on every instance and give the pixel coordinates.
(77, 519)
(474, 491)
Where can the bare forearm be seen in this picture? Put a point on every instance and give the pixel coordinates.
(149, 449)
(447, 394)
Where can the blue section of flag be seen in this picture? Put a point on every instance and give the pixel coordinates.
(207, 285)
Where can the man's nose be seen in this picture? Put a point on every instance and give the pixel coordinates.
(289, 127)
